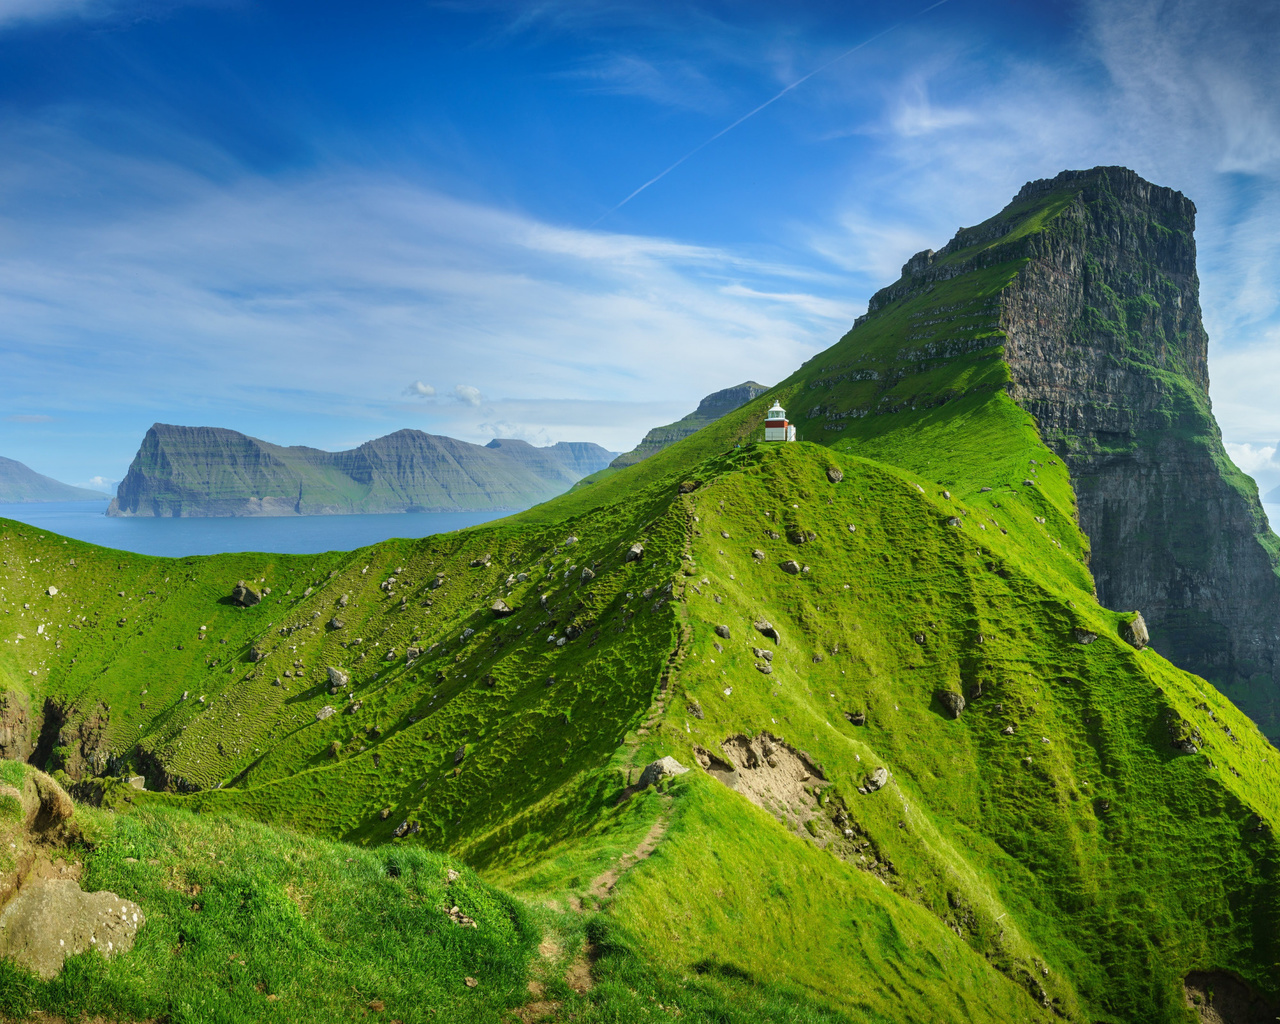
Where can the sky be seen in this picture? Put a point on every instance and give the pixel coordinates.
(320, 222)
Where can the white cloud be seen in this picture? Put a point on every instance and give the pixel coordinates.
(101, 483)
(419, 390)
(468, 395)
(1251, 459)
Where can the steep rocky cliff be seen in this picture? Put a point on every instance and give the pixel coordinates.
(709, 410)
(1080, 300)
(1108, 352)
(210, 471)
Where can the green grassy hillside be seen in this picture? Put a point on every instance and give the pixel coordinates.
(1093, 826)
(19, 483)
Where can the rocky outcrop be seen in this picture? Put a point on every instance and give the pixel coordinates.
(709, 410)
(1106, 349)
(73, 739)
(210, 471)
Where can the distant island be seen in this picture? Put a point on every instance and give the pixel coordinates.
(211, 471)
(709, 410)
(20, 483)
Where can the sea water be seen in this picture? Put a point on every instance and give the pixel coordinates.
(174, 538)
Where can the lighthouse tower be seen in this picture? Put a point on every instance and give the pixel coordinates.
(776, 427)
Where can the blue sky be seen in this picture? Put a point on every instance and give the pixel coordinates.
(321, 222)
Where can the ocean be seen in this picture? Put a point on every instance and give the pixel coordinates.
(174, 538)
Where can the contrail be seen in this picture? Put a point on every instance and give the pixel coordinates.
(768, 102)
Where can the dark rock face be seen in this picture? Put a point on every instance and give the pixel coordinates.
(1107, 350)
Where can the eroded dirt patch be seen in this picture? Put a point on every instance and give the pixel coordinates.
(1222, 998)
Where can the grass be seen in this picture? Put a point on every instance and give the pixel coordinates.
(1048, 853)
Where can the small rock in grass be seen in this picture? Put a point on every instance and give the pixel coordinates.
(758, 555)
(337, 677)
(722, 632)
(1136, 633)
(877, 780)
(325, 712)
(334, 624)
(952, 701)
(834, 475)
(501, 609)
(1083, 636)
(791, 566)
(656, 771)
(635, 552)
(471, 982)
(766, 628)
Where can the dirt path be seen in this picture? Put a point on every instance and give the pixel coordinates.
(603, 884)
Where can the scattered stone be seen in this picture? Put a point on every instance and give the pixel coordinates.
(391, 655)
(1083, 636)
(244, 596)
(481, 563)
(1028, 483)
(758, 555)
(763, 655)
(791, 566)
(984, 490)
(765, 628)
(52, 591)
(436, 583)
(953, 521)
(471, 982)
(460, 754)
(764, 668)
(325, 712)
(334, 624)
(878, 779)
(656, 771)
(570, 541)
(834, 475)
(856, 717)
(501, 609)
(635, 553)
(1007, 730)
(413, 654)
(947, 495)
(587, 573)
(337, 677)
(952, 701)
(918, 638)
(343, 601)
(722, 632)
(138, 782)
(1136, 633)
(852, 528)
(256, 654)
(695, 709)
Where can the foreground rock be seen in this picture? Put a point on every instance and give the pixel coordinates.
(52, 919)
(49, 917)
(245, 596)
(659, 770)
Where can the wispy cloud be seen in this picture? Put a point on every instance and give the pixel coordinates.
(468, 395)
(669, 82)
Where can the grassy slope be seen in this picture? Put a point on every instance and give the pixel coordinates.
(1103, 869)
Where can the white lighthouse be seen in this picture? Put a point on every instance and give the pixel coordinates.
(776, 427)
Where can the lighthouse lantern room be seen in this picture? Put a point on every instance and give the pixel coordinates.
(776, 427)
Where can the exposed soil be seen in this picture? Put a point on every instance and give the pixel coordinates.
(1222, 998)
(772, 774)
(603, 884)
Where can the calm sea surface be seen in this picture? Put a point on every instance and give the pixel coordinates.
(173, 538)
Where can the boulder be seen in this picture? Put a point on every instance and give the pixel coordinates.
(335, 624)
(52, 591)
(758, 555)
(46, 805)
(1083, 636)
(52, 919)
(764, 667)
(337, 677)
(952, 701)
(344, 600)
(436, 583)
(413, 654)
(791, 566)
(763, 655)
(765, 628)
(878, 779)
(834, 475)
(694, 708)
(137, 782)
(635, 553)
(722, 632)
(256, 654)
(325, 712)
(1135, 632)
(501, 609)
(587, 573)
(656, 771)
(856, 717)
(245, 596)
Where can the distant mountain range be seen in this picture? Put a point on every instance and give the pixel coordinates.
(211, 471)
(19, 483)
(709, 410)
